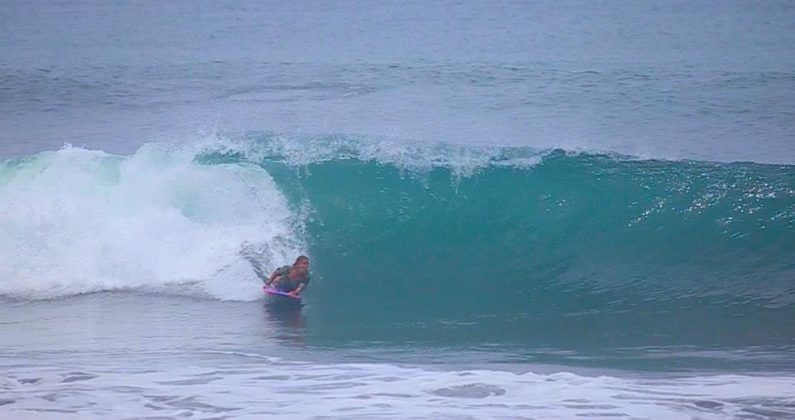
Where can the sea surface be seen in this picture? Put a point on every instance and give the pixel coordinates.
(575, 209)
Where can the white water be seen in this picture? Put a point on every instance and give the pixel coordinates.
(248, 385)
(77, 221)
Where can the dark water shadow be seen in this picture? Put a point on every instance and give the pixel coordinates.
(286, 319)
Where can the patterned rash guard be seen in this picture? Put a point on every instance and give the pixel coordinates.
(286, 284)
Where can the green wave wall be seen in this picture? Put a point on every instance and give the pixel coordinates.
(576, 247)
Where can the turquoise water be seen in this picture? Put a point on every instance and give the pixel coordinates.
(478, 275)
(582, 250)
(524, 210)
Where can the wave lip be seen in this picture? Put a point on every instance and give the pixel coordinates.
(412, 156)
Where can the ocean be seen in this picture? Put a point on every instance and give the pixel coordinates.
(512, 209)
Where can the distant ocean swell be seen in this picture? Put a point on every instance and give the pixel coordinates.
(412, 233)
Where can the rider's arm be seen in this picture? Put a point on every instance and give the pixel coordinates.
(273, 277)
(299, 289)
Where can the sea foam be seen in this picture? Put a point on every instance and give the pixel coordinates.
(77, 221)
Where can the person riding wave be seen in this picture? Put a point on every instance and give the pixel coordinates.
(291, 279)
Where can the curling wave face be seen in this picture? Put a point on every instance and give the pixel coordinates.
(420, 241)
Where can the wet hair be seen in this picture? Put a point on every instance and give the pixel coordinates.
(301, 258)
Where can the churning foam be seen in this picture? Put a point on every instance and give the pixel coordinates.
(408, 155)
(77, 221)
